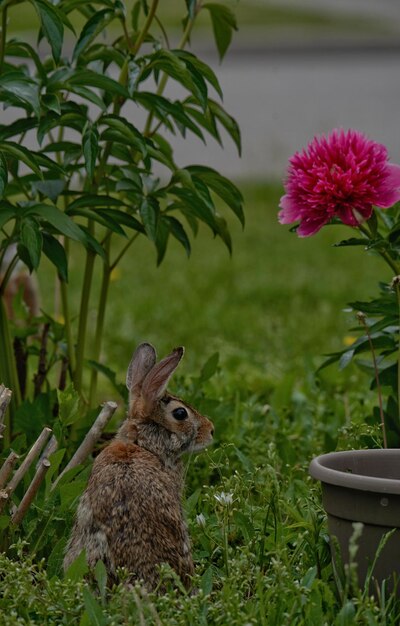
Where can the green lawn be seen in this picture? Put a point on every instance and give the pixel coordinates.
(277, 301)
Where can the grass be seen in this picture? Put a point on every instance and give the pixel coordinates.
(249, 13)
(276, 302)
(261, 550)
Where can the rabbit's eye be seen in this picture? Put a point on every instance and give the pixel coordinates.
(180, 413)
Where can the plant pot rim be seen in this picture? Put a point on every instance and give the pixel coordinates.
(332, 468)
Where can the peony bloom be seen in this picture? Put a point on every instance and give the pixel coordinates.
(342, 175)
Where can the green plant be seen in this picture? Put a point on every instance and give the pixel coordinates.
(98, 177)
(347, 178)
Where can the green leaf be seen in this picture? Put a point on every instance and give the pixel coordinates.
(31, 239)
(346, 358)
(91, 200)
(93, 609)
(223, 232)
(204, 69)
(24, 50)
(223, 22)
(223, 187)
(3, 175)
(6, 214)
(90, 142)
(21, 154)
(101, 217)
(133, 75)
(163, 108)
(55, 460)
(52, 103)
(69, 405)
(162, 237)
(17, 128)
(127, 133)
(206, 583)
(51, 187)
(124, 218)
(179, 233)
(353, 241)
(191, 8)
(52, 26)
(56, 254)
(111, 376)
(100, 573)
(59, 220)
(195, 205)
(100, 81)
(78, 568)
(149, 213)
(21, 88)
(210, 367)
(91, 29)
(228, 122)
(87, 94)
(168, 62)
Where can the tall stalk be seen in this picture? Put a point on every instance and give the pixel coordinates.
(8, 372)
(362, 319)
(83, 317)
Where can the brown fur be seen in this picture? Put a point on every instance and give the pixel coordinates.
(130, 514)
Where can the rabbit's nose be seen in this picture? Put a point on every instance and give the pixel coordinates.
(212, 432)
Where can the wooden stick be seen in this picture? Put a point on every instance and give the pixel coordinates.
(49, 449)
(5, 397)
(42, 468)
(7, 468)
(91, 438)
(25, 465)
(27, 462)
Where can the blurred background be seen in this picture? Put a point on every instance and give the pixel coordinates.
(295, 68)
(301, 67)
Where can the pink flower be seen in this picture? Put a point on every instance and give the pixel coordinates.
(342, 175)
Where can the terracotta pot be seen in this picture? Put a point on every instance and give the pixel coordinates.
(363, 486)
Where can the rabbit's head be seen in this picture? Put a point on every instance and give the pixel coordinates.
(157, 420)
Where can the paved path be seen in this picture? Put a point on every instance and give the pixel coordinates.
(281, 101)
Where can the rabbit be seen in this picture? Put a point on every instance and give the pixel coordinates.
(131, 514)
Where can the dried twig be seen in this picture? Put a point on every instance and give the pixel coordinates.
(5, 397)
(7, 468)
(25, 465)
(42, 468)
(91, 438)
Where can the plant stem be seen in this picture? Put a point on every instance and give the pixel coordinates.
(83, 315)
(101, 312)
(386, 257)
(68, 327)
(398, 347)
(8, 372)
(7, 274)
(123, 251)
(145, 28)
(362, 319)
(3, 36)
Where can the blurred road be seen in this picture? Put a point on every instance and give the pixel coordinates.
(284, 88)
(282, 100)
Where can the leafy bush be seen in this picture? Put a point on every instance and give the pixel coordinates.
(89, 162)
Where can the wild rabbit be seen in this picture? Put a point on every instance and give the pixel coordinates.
(130, 514)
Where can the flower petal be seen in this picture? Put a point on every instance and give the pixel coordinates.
(290, 212)
(391, 194)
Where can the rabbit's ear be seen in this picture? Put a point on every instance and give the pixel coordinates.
(143, 359)
(157, 379)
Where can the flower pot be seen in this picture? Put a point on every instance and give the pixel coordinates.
(363, 486)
